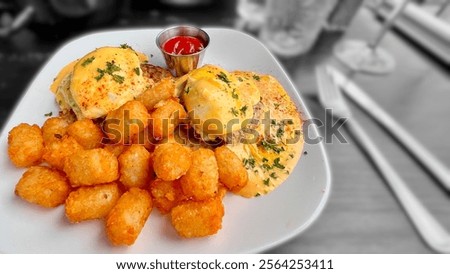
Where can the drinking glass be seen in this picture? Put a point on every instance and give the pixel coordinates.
(369, 57)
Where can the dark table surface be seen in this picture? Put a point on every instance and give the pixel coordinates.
(362, 215)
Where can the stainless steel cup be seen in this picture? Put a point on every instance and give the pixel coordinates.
(181, 64)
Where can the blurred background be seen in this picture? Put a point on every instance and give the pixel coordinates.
(413, 86)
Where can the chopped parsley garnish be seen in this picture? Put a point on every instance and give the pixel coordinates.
(234, 95)
(273, 175)
(88, 61)
(271, 146)
(257, 195)
(240, 79)
(256, 77)
(234, 111)
(137, 71)
(243, 109)
(249, 163)
(187, 90)
(48, 114)
(276, 163)
(276, 105)
(280, 132)
(266, 166)
(265, 160)
(100, 74)
(223, 77)
(266, 182)
(110, 69)
(125, 46)
(119, 79)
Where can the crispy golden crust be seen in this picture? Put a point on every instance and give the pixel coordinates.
(25, 145)
(162, 90)
(166, 194)
(54, 128)
(116, 149)
(91, 167)
(123, 123)
(232, 172)
(198, 218)
(155, 73)
(127, 218)
(135, 167)
(165, 118)
(171, 161)
(87, 134)
(91, 202)
(56, 152)
(202, 179)
(43, 186)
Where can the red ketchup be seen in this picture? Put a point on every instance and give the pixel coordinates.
(183, 45)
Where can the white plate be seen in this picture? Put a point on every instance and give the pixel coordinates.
(249, 225)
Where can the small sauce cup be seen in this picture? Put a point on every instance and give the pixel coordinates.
(183, 48)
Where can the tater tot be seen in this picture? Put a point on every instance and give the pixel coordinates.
(87, 134)
(91, 167)
(163, 90)
(165, 118)
(144, 138)
(116, 149)
(127, 218)
(123, 123)
(202, 179)
(43, 186)
(25, 145)
(171, 161)
(91, 202)
(198, 218)
(232, 172)
(135, 167)
(166, 194)
(54, 128)
(57, 151)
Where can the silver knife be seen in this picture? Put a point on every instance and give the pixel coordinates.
(421, 153)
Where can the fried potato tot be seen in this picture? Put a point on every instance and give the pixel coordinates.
(166, 117)
(232, 172)
(25, 145)
(123, 123)
(43, 186)
(145, 139)
(56, 152)
(116, 149)
(54, 128)
(166, 194)
(87, 134)
(198, 218)
(91, 167)
(162, 90)
(91, 202)
(171, 161)
(125, 221)
(135, 167)
(202, 179)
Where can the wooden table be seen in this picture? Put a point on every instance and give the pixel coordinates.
(361, 216)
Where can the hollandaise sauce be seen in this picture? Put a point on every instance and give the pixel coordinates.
(183, 45)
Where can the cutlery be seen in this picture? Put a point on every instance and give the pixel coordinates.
(433, 233)
(420, 153)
